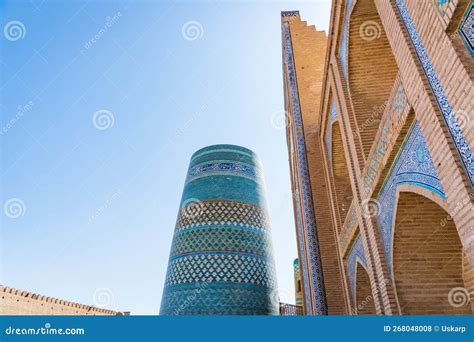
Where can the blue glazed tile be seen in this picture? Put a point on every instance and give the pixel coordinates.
(356, 253)
(438, 91)
(413, 166)
(305, 217)
(328, 137)
(221, 259)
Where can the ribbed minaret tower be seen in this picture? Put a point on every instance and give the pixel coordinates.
(221, 260)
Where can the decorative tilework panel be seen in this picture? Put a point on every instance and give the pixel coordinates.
(222, 149)
(356, 253)
(442, 5)
(290, 14)
(438, 91)
(345, 38)
(211, 268)
(414, 166)
(305, 276)
(290, 310)
(328, 137)
(223, 167)
(221, 259)
(216, 238)
(230, 213)
(466, 29)
(296, 266)
(306, 213)
(218, 299)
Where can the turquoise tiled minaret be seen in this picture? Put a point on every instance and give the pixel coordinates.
(221, 260)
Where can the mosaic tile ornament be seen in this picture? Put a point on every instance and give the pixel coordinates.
(305, 217)
(356, 253)
(345, 38)
(438, 91)
(466, 29)
(296, 266)
(223, 167)
(442, 5)
(285, 14)
(328, 137)
(221, 259)
(412, 166)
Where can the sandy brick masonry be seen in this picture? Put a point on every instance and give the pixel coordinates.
(418, 245)
(17, 302)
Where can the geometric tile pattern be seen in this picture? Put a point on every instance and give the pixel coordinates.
(290, 310)
(466, 29)
(290, 14)
(356, 253)
(222, 167)
(224, 212)
(305, 217)
(345, 38)
(442, 5)
(217, 299)
(445, 107)
(221, 260)
(296, 266)
(413, 165)
(222, 239)
(227, 267)
(327, 138)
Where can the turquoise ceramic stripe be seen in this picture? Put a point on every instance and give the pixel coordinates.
(221, 259)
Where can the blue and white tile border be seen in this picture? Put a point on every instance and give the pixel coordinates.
(344, 45)
(454, 129)
(355, 254)
(318, 294)
(328, 137)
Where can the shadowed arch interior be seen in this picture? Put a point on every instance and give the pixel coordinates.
(428, 259)
(364, 304)
(342, 182)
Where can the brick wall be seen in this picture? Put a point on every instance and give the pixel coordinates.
(309, 49)
(377, 67)
(17, 302)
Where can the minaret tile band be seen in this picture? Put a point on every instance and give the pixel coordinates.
(221, 260)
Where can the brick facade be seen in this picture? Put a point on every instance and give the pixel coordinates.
(388, 117)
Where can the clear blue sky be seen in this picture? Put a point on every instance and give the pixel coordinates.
(98, 206)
